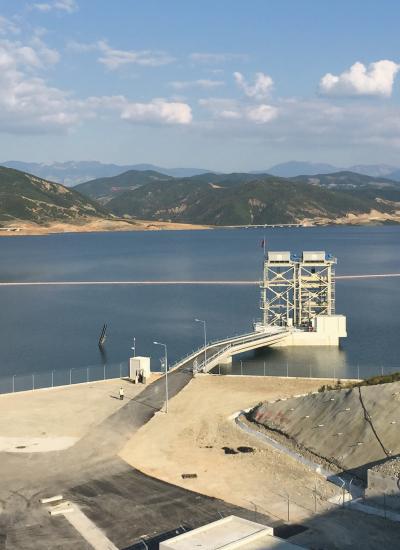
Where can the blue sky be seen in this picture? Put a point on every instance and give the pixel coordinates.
(226, 85)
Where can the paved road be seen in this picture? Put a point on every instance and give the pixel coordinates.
(122, 501)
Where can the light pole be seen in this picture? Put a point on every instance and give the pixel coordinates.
(205, 339)
(166, 372)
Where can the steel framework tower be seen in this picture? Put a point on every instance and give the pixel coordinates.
(296, 289)
(315, 287)
(278, 289)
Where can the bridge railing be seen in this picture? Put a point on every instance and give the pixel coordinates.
(203, 365)
(212, 343)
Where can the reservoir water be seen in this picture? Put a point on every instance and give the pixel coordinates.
(56, 328)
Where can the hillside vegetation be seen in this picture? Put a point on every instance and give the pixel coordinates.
(104, 189)
(29, 198)
(203, 199)
(244, 199)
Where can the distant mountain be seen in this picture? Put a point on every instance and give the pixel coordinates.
(72, 173)
(104, 189)
(29, 198)
(298, 168)
(295, 168)
(254, 200)
(359, 185)
(375, 170)
(394, 175)
(348, 180)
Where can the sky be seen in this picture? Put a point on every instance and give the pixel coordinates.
(228, 85)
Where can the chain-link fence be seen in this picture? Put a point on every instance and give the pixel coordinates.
(55, 378)
(294, 370)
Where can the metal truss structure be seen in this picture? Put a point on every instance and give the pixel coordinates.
(295, 289)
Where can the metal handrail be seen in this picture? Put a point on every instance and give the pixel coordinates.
(212, 343)
(203, 364)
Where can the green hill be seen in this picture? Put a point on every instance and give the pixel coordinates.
(348, 180)
(104, 189)
(29, 198)
(260, 200)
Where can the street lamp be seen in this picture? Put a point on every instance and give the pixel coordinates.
(166, 372)
(205, 339)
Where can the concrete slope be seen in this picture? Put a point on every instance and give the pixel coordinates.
(351, 428)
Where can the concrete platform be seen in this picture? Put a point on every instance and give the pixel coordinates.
(64, 412)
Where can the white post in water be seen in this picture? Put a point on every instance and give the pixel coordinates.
(166, 372)
(134, 347)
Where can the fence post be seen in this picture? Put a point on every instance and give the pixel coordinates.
(288, 508)
(120, 370)
(52, 379)
(382, 370)
(104, 371)
(264, 368)
(87, 375)
(287, 369)
(33, 381)
(315, 498)
(358, 372)
(310, 372)
(70, 376)
(13, 383)
(241, 368)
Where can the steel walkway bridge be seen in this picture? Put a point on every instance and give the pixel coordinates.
(221, 351)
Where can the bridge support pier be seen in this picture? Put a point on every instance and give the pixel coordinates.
(227, 360)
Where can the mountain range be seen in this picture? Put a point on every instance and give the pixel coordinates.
(205, 199)
(247, 199)
(72, 173)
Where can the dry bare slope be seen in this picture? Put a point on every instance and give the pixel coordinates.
(353, 429)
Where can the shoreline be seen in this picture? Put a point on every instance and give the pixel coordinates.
(99, 225)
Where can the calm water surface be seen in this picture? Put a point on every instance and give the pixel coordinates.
(56, 328)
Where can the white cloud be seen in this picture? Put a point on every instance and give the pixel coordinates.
(113, 58)
(376, 80)
(304, 124)
(230, 109)
(7, 26)
(211, 58)
(27, 103)
(201, 83)
(82, 47)
(261, 114)
(261, 87)
(69, 6)
(158, 110)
